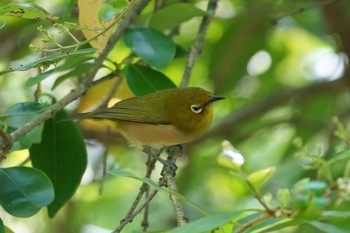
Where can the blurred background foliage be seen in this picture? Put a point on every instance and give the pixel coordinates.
(283, 68)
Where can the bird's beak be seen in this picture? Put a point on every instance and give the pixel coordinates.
(215, 98)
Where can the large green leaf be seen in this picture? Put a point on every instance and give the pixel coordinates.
(24, 190)
(151, 45)
(62, 156)
(143, 80)
(173, 15)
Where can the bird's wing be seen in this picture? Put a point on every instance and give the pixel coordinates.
(134, 109)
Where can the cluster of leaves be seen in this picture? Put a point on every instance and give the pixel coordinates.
(58, 154)
(57, 150)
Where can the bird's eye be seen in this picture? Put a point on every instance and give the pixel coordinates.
(196, 108)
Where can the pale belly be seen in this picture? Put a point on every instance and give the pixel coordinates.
(154, 135)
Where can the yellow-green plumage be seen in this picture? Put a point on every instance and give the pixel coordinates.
(163, 117)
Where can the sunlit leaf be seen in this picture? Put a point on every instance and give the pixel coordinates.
(143, 80)
(283, 196)
(49, 60)
(151, 45)
(173, 15)
(2, 24)
(62, 156)
(109, 11)
(24, 190)
(206, 224)
(89, 16)
(258, 178)
(26, 10)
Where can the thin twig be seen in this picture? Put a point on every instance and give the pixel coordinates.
(168, 180)
(253, 222)
(144, 187)
(129, 16)
(317, 4)
(255, 192)
(197, 45)
(6, 143)
(136, 212)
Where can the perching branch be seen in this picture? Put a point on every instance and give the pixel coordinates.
(168, 180)
(84, 85)
(136, 212)
(197, 45)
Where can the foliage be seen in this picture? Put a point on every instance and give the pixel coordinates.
(282, 66)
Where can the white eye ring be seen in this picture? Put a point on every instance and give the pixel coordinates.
(196, 108)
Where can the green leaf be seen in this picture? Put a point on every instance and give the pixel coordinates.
(19, 114)
(207, 223)
(283, 196)
(24, 190)
(26, 11)
(70, 63)
(2, 24)
(143, 80)
(49, 60)
(326, 227)
(79, 71)
(122, 173)
(108, 11)
(24, 109)
(151, 45)
(173, 15)
(258, 178)
(335, 214)
(2, 227)
(285, 223)
(315, 187)
(340, 156)
(62, 156)
(264, 224)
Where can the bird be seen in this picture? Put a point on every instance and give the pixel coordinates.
(162, 118)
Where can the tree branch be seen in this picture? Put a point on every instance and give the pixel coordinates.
(197, 45)
(135, 213)
(263, 105)
(168, 180)
(74, 94)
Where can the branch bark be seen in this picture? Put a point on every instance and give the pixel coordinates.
(197, 45)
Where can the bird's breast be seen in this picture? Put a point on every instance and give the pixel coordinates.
(155, 135)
